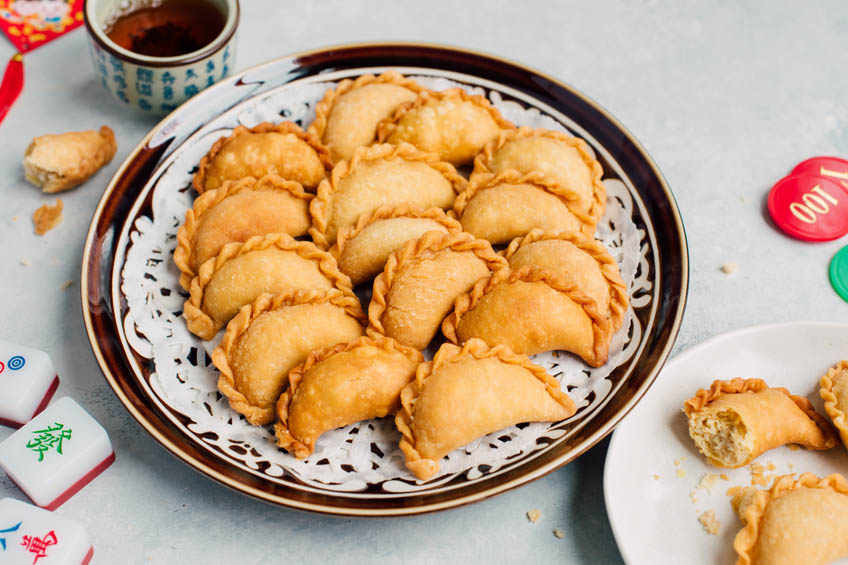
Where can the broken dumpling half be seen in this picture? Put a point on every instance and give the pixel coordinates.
(800, 521)
(341, 385)
(451, 123)
(62, 161)
(733, 422)
(347, 116)
(467, 392)
(273, 335)
(282, 149)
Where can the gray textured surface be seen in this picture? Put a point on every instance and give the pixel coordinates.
(727, 96)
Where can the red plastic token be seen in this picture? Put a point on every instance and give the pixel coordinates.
(833, 168)
(810, 207)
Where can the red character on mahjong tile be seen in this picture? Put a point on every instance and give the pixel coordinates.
(39, 546)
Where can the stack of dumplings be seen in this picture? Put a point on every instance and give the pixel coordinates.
(499, 257)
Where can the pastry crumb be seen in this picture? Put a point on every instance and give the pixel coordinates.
(656, 477)
(47, 217)
(791, 466)
(728, 268)
(733, 491)
(793, 446)
(559, 533)
(534, 515)
(770, 466)
(67, 284)
(707, 482)
(14, 218)
(758, 474)
(26, 262)
(693, 498)
(710, 523)
(681, 473)
(724, 477)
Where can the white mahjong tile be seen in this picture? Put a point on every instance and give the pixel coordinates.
(27, 381)
(56, 453)
(32, 536)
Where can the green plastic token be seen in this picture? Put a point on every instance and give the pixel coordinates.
(839, 273)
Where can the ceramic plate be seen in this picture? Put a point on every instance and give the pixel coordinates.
(132, 305)
(653, 469)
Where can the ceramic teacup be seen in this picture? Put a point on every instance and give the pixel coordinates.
(158, 84)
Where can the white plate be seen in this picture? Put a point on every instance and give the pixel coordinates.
(654, 520)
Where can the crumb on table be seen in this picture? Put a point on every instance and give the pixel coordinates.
(732, 491)
(47, 217)
(793, 446)
(26, 262)
(67, 284)
(534, 515)
(710, 523)
(693, 498)
(728, 268)
(724, 477)
(681, 473)
(758, 474)
(559, 533)
(707, 482)
(656, 477)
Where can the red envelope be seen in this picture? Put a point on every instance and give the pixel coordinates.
(32, 23)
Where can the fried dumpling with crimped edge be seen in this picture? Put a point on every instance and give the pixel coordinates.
(468, 392)
(564, 159)
(282, 149)
(341, 385)
(578, 260)
(501, 207)
(833, 389)
(274, 334)
(531, 310)
(235, 212)
(376, 176)
(734, 422)
(347, 116)
(420, 281)
(242, 271)
(362, 250)
(451, 123)
(800, 521)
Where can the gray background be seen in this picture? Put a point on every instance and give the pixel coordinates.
(726, 96)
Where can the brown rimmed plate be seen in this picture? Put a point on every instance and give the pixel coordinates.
(129, 203)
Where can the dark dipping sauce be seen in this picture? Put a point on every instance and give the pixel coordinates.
(168, 29)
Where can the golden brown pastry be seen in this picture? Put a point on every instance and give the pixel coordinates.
(376, 176)
(235, 212)
(341, 385)
(47, 217)
(420, 281)
(735, 421)
(242, 271)
(468, 392)
(833, 389)
(272, 335)
(451, 123)
(65, 160)
(531, 310)
(564, 159)
(794, 522)
(501, 207)
(362, 250)
(282, 149)
(347, 116)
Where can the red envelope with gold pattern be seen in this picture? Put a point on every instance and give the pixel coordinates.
(30, 24)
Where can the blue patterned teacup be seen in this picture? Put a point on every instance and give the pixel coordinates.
(158, 84)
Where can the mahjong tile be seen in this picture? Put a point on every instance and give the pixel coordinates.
(32, 536)
(57, 453)
(27, 382)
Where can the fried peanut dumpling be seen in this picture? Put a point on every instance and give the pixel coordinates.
(733, 422)
(451, 123)
(271, 336)
(578, 260)
(833, 389)
(468, 392)
(342, 385)
(376, 176)
(235, 212)
(794, 522)
(347, 116)
(242, 271)
(501, 207)
(281, 149)
(531, 310)
(420, 281)
(362, 250)
(564, 159)
(58, 162)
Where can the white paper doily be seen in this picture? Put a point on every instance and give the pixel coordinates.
(350, 459)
